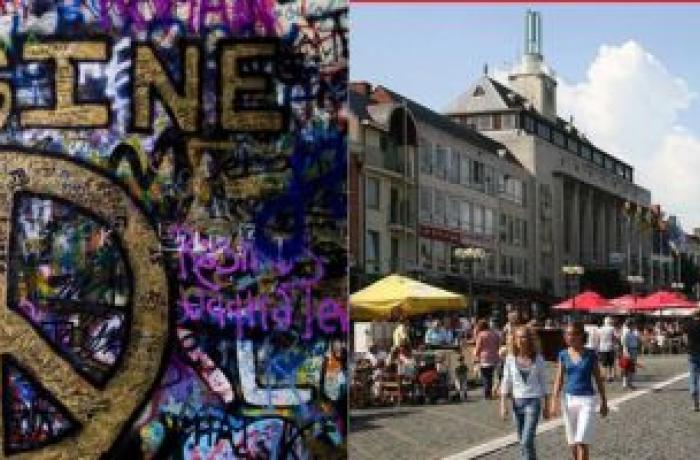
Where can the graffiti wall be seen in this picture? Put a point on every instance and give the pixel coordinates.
(172, 229)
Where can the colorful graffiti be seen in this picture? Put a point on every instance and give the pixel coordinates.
(172, 221)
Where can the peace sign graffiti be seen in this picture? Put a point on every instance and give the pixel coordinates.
(80, 337)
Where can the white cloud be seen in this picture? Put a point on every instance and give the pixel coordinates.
(631, 105)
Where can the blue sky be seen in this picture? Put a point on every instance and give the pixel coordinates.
(431, 53)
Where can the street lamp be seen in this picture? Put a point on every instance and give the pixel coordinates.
(572, 271)
(471, 254)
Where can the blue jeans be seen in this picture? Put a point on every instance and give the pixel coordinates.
(526, 412)
(694, 364)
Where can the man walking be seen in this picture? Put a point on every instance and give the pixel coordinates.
(693, 340)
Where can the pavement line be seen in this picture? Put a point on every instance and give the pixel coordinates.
(510, 439)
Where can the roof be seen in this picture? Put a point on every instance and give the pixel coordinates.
(444, 123)
(509, 99)
(358, 105)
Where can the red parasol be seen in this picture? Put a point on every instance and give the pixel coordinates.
(626, 302)
(586, 301)
(661, 300)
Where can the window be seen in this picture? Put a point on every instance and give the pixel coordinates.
(518, 191)
(488, 222)
(478, 219)
(503, 232)
(439, 248)
(426, 252)
(598, 158)
(502, 183)
(465, 211)
(484, 122)
(372, 193)
(490, 179)
(440, 161)
(543, 130)
(609, 164)
(525, 233)
(511, 231)
(426, 204)
(523, 201)
(529, 124)
(558, 139)
(426, 157)
(439, 208)
(453, 213)
(383, 143)
(490, 266)
(464, 170)
(477, 172)
(586, 152)
(372, 252)
(510, 121)
(478, 91)
(395, 255)
(453, 167)
(504, 266)
(572, 145)
(394, 206)
(619, 170)
(518, 232)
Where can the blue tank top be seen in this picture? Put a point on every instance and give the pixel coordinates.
(578, 377)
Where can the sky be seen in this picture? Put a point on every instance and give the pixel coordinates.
(629, 74)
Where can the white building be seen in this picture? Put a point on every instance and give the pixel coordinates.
(581, 194)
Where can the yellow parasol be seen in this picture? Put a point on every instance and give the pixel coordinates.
(397, 294)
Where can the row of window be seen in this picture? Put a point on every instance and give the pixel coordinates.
(513, 231)
(458, 168)
(438, 208)
(544, 130)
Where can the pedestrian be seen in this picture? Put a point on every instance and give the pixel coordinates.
(400, 334)
(577, 367)
(606, 347)
(525, 381)
(692, 334)
(486, 354)
(630, 350)
(462, 379)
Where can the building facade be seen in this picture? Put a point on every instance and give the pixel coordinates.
(463, 191)
(586, 209)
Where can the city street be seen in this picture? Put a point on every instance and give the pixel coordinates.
(647, 423)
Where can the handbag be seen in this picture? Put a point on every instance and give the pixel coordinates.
(625, 363)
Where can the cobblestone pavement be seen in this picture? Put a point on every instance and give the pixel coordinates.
(656, 426)
(640, 429)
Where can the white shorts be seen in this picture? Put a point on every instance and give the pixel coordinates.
(578, 414)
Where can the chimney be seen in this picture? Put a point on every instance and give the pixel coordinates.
(363, 88)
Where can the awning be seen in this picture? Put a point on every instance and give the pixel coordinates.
(661, 300)
(399, 295)
(587, 301)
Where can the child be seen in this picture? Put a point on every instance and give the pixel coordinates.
(377, 377)
(461, 377)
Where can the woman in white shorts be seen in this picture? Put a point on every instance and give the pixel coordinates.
(578, 367)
